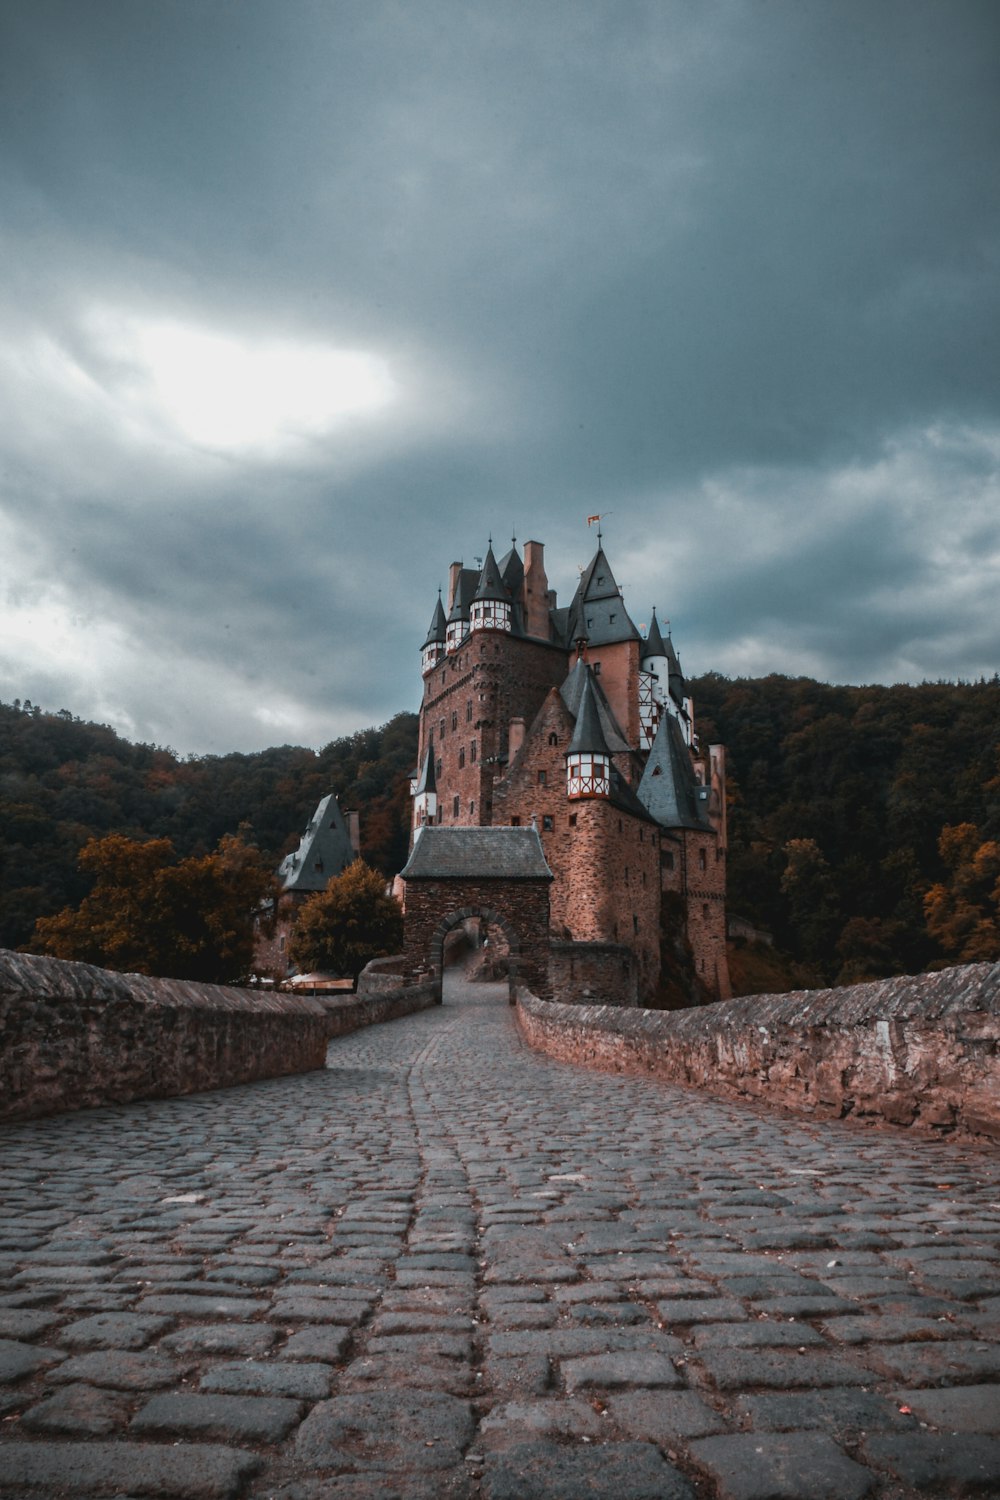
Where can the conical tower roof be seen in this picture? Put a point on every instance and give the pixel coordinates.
(490, 582)
(598, 614)
(324, 851)
(438, 628)
(588, 736)
(654, 640)
(571, 693)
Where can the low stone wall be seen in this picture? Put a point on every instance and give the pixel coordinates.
(72, 1035)
(602, 973)
(355, 1011)
(381, 975)
(921, 1051)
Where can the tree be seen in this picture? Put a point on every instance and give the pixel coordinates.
(148, 913)
(963, 913)
(342, 928)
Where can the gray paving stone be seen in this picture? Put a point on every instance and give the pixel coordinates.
(121, 1371)
(558, 1416)
(115, 1330)
(619, 1371)
(792, 1466)
(411, 1430)
(957, 1362)
(328, 1344)
(664, 1417)
(26, 1322)
(241, 1419)
(842, 1413)
(197, 1471)
(546, 1470)
(959, 1408)
(79, 1410)
(742, 1369)
(966, 1464)
(221, 1338)
(757, 1335)
(18, 1359)
(304, 1382)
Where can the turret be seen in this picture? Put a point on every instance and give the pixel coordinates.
(490, 608)
(434, 642)
(588, 759)
(425, 792)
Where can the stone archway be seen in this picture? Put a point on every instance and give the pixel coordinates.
(493, 918)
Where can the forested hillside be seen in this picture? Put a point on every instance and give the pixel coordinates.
(840, 798)
(864, 822)
(63, 781)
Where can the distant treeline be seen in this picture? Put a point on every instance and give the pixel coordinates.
(864, 822)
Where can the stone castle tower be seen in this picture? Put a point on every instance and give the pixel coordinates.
(567, 718)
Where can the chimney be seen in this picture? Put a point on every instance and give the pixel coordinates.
(354, 832)
(536, 591)
(515, 737)
(453, 575)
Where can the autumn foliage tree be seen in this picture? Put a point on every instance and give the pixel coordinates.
(963, 911)
(150, 913)
(340, 929)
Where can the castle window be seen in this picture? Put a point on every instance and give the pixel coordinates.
(635, 925)
(468, 711)
(461, 759)
(515, 822)
(572, 820)
(702, 861)
(668, 859)
(281, 943)
(440, 814)
(440, 767)
(441, 728)
(472, 752)
(611, 619)
(472, 809)
(455, 807)
(644, 877)
(553, 739)
(541, 778)
(657, 770)
(597, 669)
(454, 718)
(318, 865)
(704, 911)
(626, 874)
(720, 853)
(548, 823)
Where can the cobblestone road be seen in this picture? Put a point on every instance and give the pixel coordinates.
(451, 1267)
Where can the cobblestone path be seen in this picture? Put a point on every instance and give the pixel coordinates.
(450, 1267)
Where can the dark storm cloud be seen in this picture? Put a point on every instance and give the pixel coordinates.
(725, 271)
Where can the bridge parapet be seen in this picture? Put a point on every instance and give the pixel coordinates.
(921, 1051)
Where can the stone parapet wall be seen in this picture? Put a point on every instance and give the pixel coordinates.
(73, 1036)
(921, 1051)
(355, 1011)
(381, 975)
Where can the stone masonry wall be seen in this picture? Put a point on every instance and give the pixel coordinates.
(521, 906)
(582, 973)
(75, 1035)
(922, 1051)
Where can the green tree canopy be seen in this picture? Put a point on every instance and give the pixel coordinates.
(342, 928)
(150, 913)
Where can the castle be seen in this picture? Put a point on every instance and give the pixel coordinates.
(569, 720)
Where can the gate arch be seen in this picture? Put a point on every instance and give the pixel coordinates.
(485, 914)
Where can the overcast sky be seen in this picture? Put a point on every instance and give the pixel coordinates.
(301, 299)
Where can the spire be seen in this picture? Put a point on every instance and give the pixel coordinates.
(491, 603)
(438, 627)
(588, 735)
(490, 582)
(669, 790)
(654, 640)
(598, 610)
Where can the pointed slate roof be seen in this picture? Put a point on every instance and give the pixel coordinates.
(512, 571)
(427, 780)
(324, 851)
(490, 582)
(654, 640)
(588, 735)
(669, 789)
(571, 693)
(598, 610)
(438, 627)
(465, 588)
